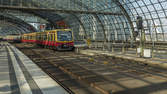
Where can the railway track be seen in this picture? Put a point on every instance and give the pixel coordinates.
(82, 74)
(59, 72)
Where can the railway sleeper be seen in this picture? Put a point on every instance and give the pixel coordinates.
(78, 77)
(86, 81)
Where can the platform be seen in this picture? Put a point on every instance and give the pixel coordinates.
(19, 75)
(130, 55)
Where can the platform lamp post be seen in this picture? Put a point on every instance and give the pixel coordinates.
(139, 24)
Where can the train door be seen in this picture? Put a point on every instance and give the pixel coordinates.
(55, 38)
(52, 39)
(49, 39)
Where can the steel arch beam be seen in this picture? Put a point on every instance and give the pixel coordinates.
(127, 16)
(57, 10)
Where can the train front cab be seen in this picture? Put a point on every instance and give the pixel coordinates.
(61, 39)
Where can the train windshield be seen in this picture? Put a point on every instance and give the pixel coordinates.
(64, 36)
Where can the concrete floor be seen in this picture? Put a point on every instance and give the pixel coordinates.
(4, 72)
(19, 75)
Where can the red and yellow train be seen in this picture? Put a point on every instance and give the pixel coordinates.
(58, 39)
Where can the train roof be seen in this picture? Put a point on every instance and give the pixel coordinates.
(55, 30)
(29, 34)
(47, 31)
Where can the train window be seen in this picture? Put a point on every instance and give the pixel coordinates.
(50, 37)
(43, 37)
(64, 36)
(37, 37)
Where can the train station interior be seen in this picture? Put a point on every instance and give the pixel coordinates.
(83, 46)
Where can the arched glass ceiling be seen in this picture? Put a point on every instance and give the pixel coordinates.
(154, 13)
(8, 21)
(98, 27)
(7, 28)
(24, 16)
(103, 26)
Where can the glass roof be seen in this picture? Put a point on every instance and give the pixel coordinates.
(103, 27)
